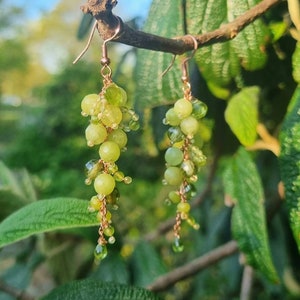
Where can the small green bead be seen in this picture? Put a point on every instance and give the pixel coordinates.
(127, 180)
(177, 246)
(100, 252)
(183, 207)
(174, 197)
(109, 231)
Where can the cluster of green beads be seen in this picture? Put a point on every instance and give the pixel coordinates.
(183, 158)
(110, 120)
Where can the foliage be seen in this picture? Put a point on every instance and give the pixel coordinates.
(251, 88)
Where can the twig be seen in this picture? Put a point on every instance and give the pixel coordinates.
(195, 266)
(168, 224)
(17, 294)
(247, 283)
(107, 22)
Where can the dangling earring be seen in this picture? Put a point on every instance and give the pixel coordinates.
(110, 120)
(183, 158)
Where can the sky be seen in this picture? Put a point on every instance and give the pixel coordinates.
(125, 8)
(35, 9)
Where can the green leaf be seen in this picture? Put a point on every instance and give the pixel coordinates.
(147, 264)
(242, 115)
(153, 89)
(222, 62)
(289, 162)
(16, 190)
(113, 269)
(43, 216)
(296, 63)
(90, 289)
(243, 186)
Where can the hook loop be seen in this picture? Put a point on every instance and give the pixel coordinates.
(185, 75)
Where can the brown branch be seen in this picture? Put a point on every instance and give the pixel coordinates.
(195, 266)
(247, 283)
(17, 294)
(107, 22)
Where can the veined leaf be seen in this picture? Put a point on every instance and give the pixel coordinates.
(165, 19)
(242, 184)
(296, 63)
(43, 216)
(289, 162)
(221, 62)
(91, 289)
(242, 115)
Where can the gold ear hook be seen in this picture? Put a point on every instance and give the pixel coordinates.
(104, 49)
(185, 74)
(87, 45)
(105, 61)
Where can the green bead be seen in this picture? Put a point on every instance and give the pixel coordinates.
(100, 252)
(109, 231)
(199, 109)
(115, 95)
(177, 246)
(183, 207)
(174, 197)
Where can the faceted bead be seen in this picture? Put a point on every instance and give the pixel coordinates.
(100, 252)
(177, 246)
(115, 95)
(188, 168)
(175, 134)
(199, 109)
(92, 168)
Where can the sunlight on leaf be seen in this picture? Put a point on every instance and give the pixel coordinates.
(242, 115)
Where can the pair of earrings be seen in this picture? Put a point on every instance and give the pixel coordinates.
(110, 120)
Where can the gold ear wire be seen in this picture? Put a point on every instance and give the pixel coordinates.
(104, 47)
(105, 59)
(87, 45)
(185, 74)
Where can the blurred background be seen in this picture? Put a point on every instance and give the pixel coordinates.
(43, 152)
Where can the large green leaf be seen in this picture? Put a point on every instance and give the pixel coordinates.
(243, 186)
(296, 63)
(242, 115)
(289, 160)
(91, 289)
(220, 63)
(165, 19)
(43, 216)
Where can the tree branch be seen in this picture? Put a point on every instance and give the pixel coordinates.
(107, 22)
(14, 292)
(165, 281)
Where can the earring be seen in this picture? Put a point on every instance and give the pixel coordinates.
(183, 157)
(110, 120)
